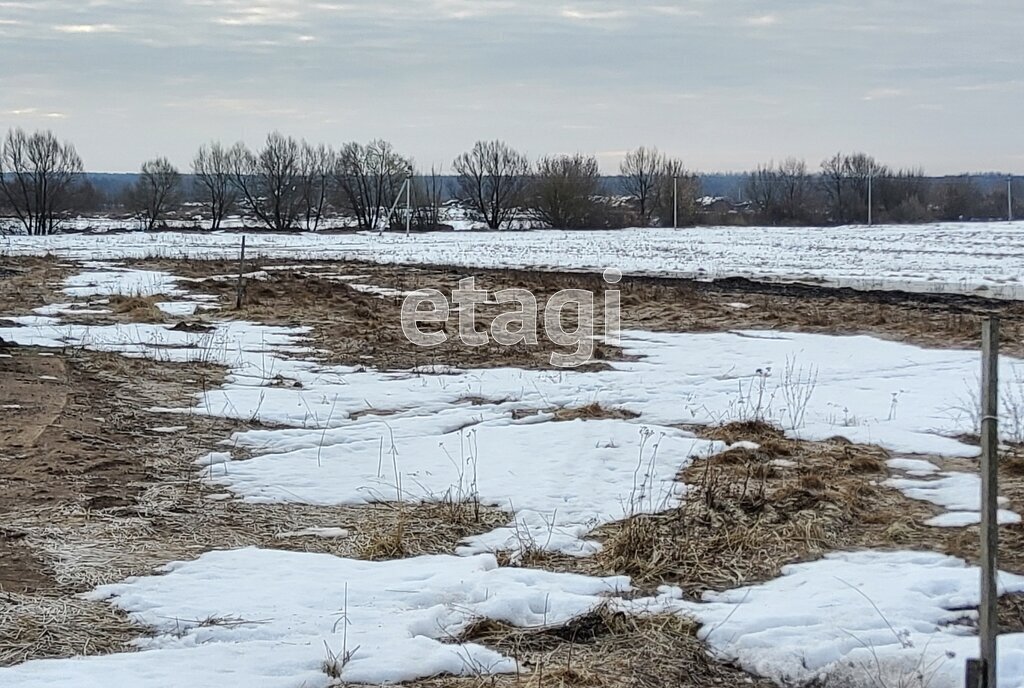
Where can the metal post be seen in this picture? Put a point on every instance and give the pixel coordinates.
(988, 624)
(408, 205)
(675, 203)
(394, 206)
(1009, 198)
(240, 289)
(870, 179)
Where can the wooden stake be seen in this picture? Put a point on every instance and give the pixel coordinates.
(240, 292)
(988, 625)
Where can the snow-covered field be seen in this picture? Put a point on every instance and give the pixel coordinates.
(974, 258)
(341, 435)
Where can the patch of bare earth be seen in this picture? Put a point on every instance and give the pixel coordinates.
(94, 487)
(749, 513)
(27, 282)
(752, 511)
(90, 493)
(602, 649)
(354, 327)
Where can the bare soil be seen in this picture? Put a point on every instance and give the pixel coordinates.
(90, 493)
(361, 328)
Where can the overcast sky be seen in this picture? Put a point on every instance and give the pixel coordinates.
(724, 84)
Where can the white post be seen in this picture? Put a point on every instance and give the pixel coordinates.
(394, 206)
(870, 179)
(675, 203)
(408, 205)
(1009, 198)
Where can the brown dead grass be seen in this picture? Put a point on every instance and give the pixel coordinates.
(746, 518)
(38, 626)
(748, 514)
(28, 282)
(138, 308)
(394, 531)
(306, 295)
(601, 649)
(592, 411)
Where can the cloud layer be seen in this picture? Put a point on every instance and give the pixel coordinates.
(722, 84)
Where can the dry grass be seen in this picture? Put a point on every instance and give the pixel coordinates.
(602, 649)
(393, 531)
(748, 514)
(592, 411)
(1011, 613)
(38, 626)
(28, 282)
(337, 313)
(138, 308)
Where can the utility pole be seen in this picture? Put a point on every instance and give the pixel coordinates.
(408, 205)
(1009, 198)
(407, 187)
(870, 180)
(675, 202)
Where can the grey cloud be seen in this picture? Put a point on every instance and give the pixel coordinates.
(723, 84)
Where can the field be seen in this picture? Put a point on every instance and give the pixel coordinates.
(986, 258)
(767, 476)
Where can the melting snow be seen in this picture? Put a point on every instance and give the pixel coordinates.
(121, 281)
(268, 618)
(873, 618)
(946, 257)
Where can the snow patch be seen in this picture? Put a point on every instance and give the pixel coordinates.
(267, 618)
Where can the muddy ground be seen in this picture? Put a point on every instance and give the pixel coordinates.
(94, 487)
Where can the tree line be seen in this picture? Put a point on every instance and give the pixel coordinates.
(289, 184)
(840, 192)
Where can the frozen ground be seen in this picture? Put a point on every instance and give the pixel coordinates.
(861, 618)
(104, 280)
(354, 436)
(347, 436)
(983, 258)
(271, 619)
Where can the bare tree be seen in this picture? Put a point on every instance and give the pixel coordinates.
(794, 189)
(37, 175)
(269, 182)
(861, 169)
(493, 178)
(903, 196)
(212, 169)
(83, 197)
(156, 191)
(674, 193)
(428, 193)
(845, 181)
(762, 188)
(960, 199)
(368, 179)
(318, 163)
(641, 173)
(833, 183)
(564, 190)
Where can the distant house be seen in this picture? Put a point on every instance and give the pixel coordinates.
(715, 204)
